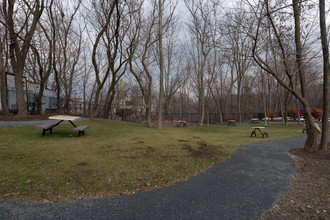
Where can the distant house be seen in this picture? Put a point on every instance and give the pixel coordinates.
(31, 91)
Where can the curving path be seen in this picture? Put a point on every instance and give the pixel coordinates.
(243, 187)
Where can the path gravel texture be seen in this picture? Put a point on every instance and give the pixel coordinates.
(243, 187)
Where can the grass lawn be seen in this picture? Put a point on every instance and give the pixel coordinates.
(114, 158)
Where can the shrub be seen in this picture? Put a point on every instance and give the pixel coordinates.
(317, 113)
(293, 113)
(271, 114)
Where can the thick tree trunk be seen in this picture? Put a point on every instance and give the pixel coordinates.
(96, 103)
(20, 97)
(312, 130)
(40, 95)
(108, 102)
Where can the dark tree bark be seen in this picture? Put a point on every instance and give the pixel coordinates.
(326, 72)
(3, 86)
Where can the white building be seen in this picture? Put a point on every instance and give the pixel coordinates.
(48, 99)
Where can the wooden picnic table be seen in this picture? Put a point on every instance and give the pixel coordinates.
(258, 129)
(62, 118)
(49, 126)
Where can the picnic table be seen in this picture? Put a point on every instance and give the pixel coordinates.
(231, 123)
(181, 124)
(49, 126)
(258, 129)
(254, 120)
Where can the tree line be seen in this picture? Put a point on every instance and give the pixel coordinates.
(189, 56)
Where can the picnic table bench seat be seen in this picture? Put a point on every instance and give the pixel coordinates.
(80, 129)
(46, 127)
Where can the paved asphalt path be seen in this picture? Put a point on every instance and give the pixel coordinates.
(243, 187)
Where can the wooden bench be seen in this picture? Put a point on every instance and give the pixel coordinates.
(80, 129)
(258, 129)
(46, 127)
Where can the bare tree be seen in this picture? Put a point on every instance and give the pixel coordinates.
(42, 49)
(174, 74)
(201, 28)
(107, 35)
(239, 46)
(140, 60)
(265, 12)
(67, 50)
(21, 31)
(117, 49)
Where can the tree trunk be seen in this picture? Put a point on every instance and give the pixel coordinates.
(109, 99)
(20, 97)
(326, 78)
(148, 114)
(313, 131)
(3, 86)
(96, 103)
(239, 100)
(286, 106)
(161, 67)
(40, 95)
(3, 93)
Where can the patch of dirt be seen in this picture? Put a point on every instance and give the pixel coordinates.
(203, 151)
(308, 197)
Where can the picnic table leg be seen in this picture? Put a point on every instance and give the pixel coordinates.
(254, 133)
(58, 123)
(73, 124)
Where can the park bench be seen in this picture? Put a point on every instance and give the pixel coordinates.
(80, 129)
(258, 129)
(46, 127)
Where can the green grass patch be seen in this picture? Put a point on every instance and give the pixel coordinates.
(114, 158)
